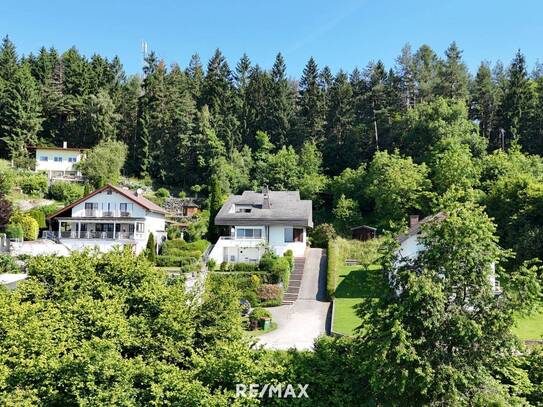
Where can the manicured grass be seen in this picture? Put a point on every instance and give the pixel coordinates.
(354, 284)
(530, 327)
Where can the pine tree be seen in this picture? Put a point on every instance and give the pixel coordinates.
(282, 103)
(310, 120)
(339, 123)
(8, 59)
(453, 75)
(195, 74)
(518, 100)
(426, 67)
(216, 199)
(219, 96)
(20, 116)
(405, 70)
(484, 101)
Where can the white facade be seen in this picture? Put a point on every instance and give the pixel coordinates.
(411, 247)
(58, 163)
(108, 219)
(238, 248)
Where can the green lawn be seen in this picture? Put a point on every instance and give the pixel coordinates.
(355, 283)
(530, 327)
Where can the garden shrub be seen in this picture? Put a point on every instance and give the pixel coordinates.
(267, 260)
(258, 313)
(48, 209)
(280, 271)
(211, 264)
(7, 177)
(225, 266)
(198, 245)
(14, 231)
(39, 216)
(168, 261)
(162, 193)
(322, 234)
(270, 294)
(250, 295)
(8, 265)
(150, 249)
(181, 253)
(332, 269)
(66, 192)
(33, 184)
(245, 267)
(31, 229)
(289, 255)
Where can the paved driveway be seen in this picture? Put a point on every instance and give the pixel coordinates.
(301, 323)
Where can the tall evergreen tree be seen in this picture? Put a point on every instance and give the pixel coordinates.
(484, 101)
(452, 78)
(281, 103)
(518, 100)
(20, 115)
(310, 120)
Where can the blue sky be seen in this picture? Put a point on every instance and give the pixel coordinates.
(341, 34)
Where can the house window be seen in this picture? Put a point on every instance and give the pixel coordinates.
(91, 208)
(248, 233)
(58, 159)
(125, 209)
(140, 227)
(72, 159)
(44, 158)
(294, 235)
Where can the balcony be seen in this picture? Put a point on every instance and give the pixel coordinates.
(96, 213)
(96, 235)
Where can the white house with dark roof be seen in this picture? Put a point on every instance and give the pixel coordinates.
(58, 163)
(108, 217)
(255, 221)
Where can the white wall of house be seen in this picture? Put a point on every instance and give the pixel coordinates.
(410, 247)
(236, 249)
(278, 244)
(153, 222)
(110, 203)
(45, 159)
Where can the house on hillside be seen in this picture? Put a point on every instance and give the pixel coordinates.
(411, 246)
(256, 221)
(58, 162)
(181, 207)
(108, 217)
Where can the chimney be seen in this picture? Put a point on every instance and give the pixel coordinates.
(64, 144)
(413, 220)
(265, 197)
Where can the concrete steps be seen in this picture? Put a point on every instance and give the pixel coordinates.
(295, 281)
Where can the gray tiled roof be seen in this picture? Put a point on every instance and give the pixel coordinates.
(286, 207)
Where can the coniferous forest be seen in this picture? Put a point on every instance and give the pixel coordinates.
(368, 147)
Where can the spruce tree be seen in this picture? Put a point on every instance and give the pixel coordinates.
(150, 250)
(310, 120)
(484, 101)
(282, 103)
(20, 116)
(452, 78)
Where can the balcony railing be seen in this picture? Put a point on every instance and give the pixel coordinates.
(96, 235)
(96, 213)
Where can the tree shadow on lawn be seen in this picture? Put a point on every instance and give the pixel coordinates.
(361, 282)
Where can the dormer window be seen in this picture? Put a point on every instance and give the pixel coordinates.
(243, 208)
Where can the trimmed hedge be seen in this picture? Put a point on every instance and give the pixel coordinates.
(245, 267)
(198, 245)
(39, 216)
(332, 269)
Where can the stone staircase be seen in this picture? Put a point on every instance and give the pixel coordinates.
(291, 294)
